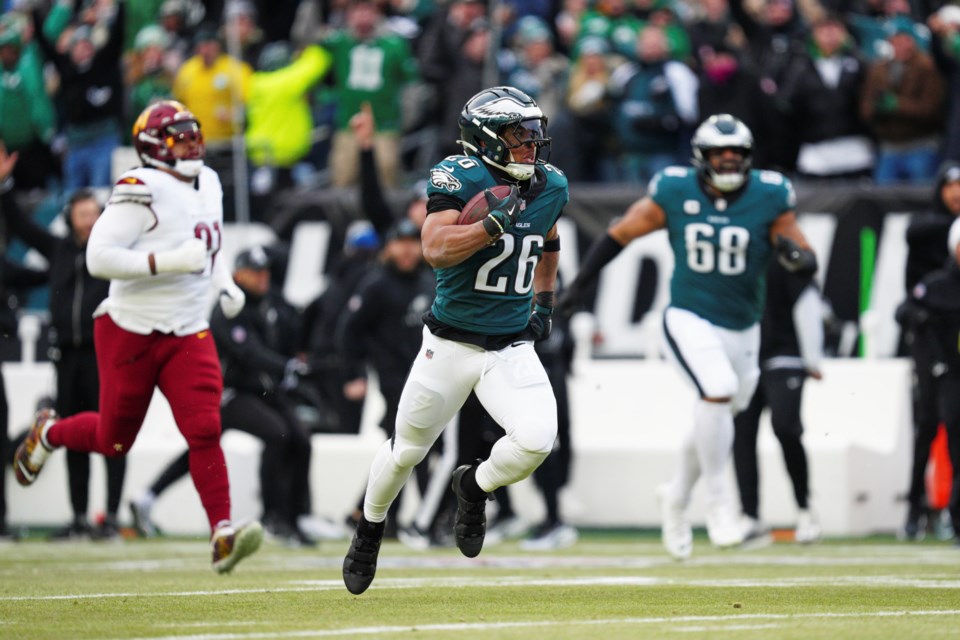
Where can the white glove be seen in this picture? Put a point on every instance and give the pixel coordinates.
(188, 257)
(232, 300)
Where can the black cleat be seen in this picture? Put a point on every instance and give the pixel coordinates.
(470, 526)
(360, 565)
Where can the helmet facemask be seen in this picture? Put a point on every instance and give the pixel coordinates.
(725, 174)
(168, 136)
(714, 136)
(526, 143)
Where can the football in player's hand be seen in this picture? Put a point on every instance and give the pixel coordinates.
(477, 208)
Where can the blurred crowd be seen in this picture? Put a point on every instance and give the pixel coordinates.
(863, 89)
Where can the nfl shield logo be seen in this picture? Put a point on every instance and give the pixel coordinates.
(429, 354)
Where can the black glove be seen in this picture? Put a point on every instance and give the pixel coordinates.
(541, 320)
(795, 258)
(503, 211)
(911, 315)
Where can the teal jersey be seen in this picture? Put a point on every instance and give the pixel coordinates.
(721, 247)
(491, 292)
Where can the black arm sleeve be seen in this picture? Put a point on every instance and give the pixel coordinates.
(372, 203)
(443, 202)
(598, 256)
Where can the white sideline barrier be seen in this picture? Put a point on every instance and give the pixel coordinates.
(628, 420)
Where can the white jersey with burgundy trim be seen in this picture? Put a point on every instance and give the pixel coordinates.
(151, 211)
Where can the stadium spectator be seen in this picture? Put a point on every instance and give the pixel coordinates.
(712, 29)
(91, 86)
(452, 53)
(279, 118)
(157, 309)
(945, 25)
(728, 85)
(872, 24)
(13, 278)
(74, 297)
(712, 337)
(369, 65)
(139, 15)
(534, 67)
(148, 78)
(927, 251)
(27, 116)
(588, 157)
(656, 103)
(566, 24)
(791, 349)
(175, 18)
(821, 95)
(774, 37)
(215, 86)
(903, 104)
(474, 342)
(240, 26)
(258, 373)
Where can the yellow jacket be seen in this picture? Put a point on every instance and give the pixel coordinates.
(279, 121)
(212, 93)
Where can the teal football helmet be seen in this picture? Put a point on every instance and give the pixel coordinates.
(497, 123)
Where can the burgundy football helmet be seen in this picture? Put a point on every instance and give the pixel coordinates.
(159, 127)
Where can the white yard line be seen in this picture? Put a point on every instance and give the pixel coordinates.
(725, 627)
(488, 626)
(465, 582)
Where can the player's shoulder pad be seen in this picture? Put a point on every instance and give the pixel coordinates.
(669, 179)
(208, 177)
(459, 176)
(555, 177)
(777, 184)
(133, 186)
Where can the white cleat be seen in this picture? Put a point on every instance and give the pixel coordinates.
(723, 529)
(808, 528)
(756, 535)
(676, 532)
(551, 537)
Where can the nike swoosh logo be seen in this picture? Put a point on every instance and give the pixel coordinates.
(517, 344)
(510, 212)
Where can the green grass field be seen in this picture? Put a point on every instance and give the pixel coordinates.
(608, 586)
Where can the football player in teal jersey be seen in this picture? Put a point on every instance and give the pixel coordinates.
(724, 222)
(494, 298)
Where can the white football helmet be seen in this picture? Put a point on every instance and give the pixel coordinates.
(722, 131)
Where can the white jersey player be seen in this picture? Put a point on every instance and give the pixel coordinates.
(157, 241)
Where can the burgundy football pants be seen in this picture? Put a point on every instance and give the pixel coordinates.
(187, 371)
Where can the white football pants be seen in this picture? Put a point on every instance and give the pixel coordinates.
(512, 386)
(718, 363)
